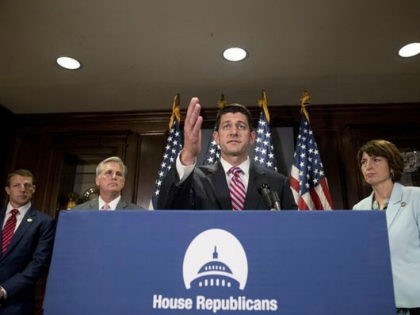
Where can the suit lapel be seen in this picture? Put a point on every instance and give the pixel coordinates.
(253, 199)
(94, 204)
(395, 203)
(121, 204)
(2, 215)
(219, 185)
(28, 220)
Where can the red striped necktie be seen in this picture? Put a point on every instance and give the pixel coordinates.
(237, 189)
(8, 230)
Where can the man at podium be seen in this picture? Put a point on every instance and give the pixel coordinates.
(233, 183)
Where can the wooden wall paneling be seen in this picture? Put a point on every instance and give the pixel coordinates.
(328, 141)
(72, 149)
(150, 151)
(402, 135)
(350, 170)
(28, 152)
(37, 143)
(7, 130)
(131, 156)
(9, 157)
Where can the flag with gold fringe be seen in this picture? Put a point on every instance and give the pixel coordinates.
(264, 149)
(213, 149)
(307, 179)
(172, 148)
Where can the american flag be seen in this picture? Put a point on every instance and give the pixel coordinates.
(212, 153)
(172, 149)
(307, 180)
(264, 149)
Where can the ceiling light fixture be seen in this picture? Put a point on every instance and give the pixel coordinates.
(235, 54)
(410, 50)
(68, 63)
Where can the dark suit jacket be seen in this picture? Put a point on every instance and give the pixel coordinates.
(24, 261)
(93, 204)
(206, 189)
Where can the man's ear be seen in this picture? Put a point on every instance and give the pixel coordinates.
(216, 136)
(252, 136)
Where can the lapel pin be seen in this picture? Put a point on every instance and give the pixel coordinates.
(403, 204)
(29, 219)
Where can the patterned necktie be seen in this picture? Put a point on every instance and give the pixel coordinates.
(237, 189)
(8, 230)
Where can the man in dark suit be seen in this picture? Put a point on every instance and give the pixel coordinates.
(110, 179)
(27, 238)
(188, 186)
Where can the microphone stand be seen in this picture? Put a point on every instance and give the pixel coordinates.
(271, 197)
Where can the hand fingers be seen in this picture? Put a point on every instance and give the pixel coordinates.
(193, 113)
(191, 106)
(196, 130)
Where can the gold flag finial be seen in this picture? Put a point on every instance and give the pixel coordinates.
(221, 103)
(262, 102)
(176, 111)
(304, 101)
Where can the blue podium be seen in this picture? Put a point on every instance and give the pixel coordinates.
(221, 262)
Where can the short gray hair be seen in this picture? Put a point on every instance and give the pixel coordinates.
(116, 159)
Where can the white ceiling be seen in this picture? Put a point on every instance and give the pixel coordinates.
(137, 54)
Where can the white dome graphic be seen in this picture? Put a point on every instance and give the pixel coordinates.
(215, 258)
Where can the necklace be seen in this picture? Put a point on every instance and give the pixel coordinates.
(377, 206)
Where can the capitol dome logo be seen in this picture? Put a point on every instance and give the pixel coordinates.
(215, 259)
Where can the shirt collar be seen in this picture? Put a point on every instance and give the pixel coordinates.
(244, 166)
(22, 210)
(112, 205)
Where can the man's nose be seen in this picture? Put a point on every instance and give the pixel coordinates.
(24, 187)
(234, 130)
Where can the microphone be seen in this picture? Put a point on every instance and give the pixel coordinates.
(271, 198)
(276, 200)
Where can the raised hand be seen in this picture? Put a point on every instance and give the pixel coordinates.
(192, 133)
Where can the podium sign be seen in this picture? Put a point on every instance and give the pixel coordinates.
(221, 262)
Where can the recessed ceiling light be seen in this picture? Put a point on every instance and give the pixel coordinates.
(68, 63)
(235, 54)
(410, 50)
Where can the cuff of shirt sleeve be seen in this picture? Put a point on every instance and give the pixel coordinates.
(4, 293)
(184, 170)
